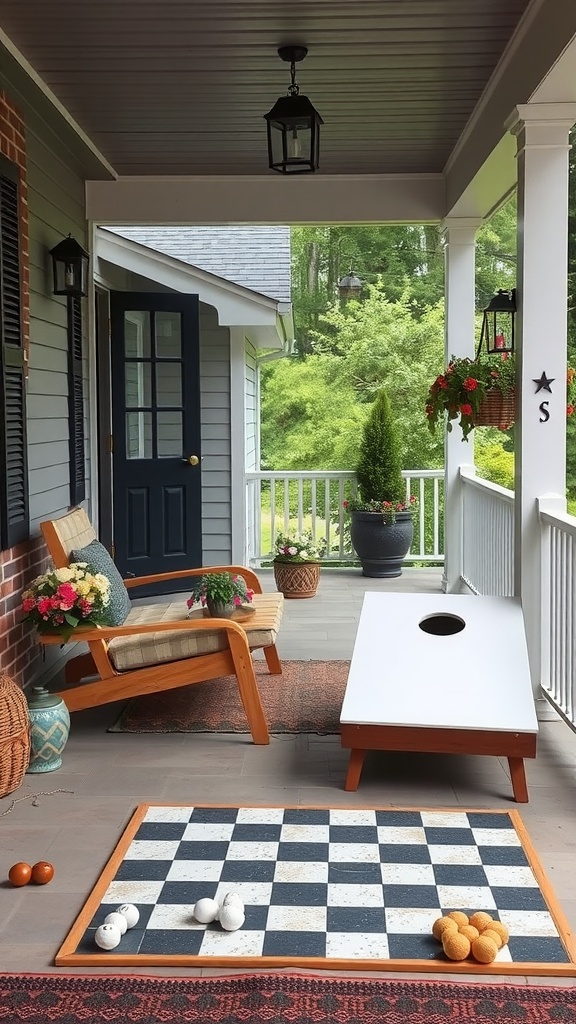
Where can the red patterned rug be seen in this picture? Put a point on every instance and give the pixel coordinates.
(307, 697)
(275, 999)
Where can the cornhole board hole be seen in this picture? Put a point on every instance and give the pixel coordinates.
(440, 674)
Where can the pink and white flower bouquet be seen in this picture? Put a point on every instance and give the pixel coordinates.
(62, 599)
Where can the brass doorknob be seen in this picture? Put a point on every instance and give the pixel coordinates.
(192, 460)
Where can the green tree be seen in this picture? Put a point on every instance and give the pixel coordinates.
(379, 468)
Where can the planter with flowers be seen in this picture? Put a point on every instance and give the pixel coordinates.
(61, 600)
(481, 393)
(382, 524)
(222, 593)
(477, 392)
(297, 564)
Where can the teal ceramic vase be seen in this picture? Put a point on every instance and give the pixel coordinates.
(49, 730)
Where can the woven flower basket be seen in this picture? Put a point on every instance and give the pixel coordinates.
(14, 736)
(496, 409)
(297, 579)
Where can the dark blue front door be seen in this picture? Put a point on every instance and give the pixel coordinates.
(156, 433)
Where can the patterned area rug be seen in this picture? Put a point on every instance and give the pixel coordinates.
(307, 697)
(281, 998)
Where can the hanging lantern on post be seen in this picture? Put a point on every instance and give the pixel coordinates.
(70, 268)
(498, 323)
(293, 124)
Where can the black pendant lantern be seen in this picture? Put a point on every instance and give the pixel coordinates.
(293, 125)
(350, 286)
(498, 323)
(70, 268)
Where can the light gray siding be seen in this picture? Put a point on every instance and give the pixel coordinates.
(251, 407)
(56, 208)
(215, 432)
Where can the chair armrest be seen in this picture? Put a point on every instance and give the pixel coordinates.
(109, 632)
(251, 578)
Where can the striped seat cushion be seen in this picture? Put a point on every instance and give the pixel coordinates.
(132, 652)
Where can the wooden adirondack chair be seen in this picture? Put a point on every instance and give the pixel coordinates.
(158, 647)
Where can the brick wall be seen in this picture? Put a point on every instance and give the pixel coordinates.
(18, 651)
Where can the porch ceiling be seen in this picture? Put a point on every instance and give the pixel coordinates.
(174, 87)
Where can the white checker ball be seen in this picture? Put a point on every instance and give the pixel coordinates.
(231, 917)
(206, 910)
(107, 936)
(119, 920)
(130, 912)
(233, 899)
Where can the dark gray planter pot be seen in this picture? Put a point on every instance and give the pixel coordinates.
(381, 547)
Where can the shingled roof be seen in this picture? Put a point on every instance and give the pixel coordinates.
(254, 257)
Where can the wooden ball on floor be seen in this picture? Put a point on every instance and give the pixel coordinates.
(484, 950)
(455, 945)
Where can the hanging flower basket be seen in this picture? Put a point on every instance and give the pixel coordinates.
(496, 409)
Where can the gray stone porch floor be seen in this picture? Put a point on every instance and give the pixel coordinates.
(108, 774)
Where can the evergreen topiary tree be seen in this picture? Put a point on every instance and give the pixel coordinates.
(379, 466)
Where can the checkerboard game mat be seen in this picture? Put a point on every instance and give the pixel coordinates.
(341, 888)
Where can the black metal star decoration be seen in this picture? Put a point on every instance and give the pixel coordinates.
(543, 382)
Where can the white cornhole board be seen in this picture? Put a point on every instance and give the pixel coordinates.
(466, 692)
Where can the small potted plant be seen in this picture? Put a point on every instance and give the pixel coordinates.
(477, 392)
(297, 564)
(220, 592)
(61, 600)
(381, 515)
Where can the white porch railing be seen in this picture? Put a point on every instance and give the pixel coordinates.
(558, 641)
(487, 536)
(314, 500)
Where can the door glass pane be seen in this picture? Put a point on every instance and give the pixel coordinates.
(168, 335)
(137, 334)
(138, 435)
(169, 433)
(168, 384)
(138, 385)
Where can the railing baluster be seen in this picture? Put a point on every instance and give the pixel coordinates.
(296, 486)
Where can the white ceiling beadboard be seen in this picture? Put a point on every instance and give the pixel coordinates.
(171, 87)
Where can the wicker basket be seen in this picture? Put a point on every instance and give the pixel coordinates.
(496, 410)
(297, 579)
(14, 736)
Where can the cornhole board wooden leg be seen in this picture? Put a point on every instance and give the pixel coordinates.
(354, 770)
(514, 746)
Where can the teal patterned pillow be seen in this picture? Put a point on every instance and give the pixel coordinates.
(101, 561)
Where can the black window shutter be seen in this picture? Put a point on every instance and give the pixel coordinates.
(76, 402)
(14, 524)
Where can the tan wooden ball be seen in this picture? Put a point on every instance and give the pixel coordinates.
(484, 950)
(490, 933)
(455, 945)
(469, 931)
(459, 916)
(501, 930)
(443, 924)
(480, 920)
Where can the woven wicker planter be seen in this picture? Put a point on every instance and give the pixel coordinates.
(14, 736)
(496, 410)
(297, 579)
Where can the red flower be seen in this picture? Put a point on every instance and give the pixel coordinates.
(466, 409)
(344, 504)
(470, 384)
(569, 410)
(441, 382)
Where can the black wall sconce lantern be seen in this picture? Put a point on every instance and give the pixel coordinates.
(498, 323)
(350, 286)
(293, 124)
(70, 268)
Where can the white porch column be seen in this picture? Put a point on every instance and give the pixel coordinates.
(542, 131)
(460, 265)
